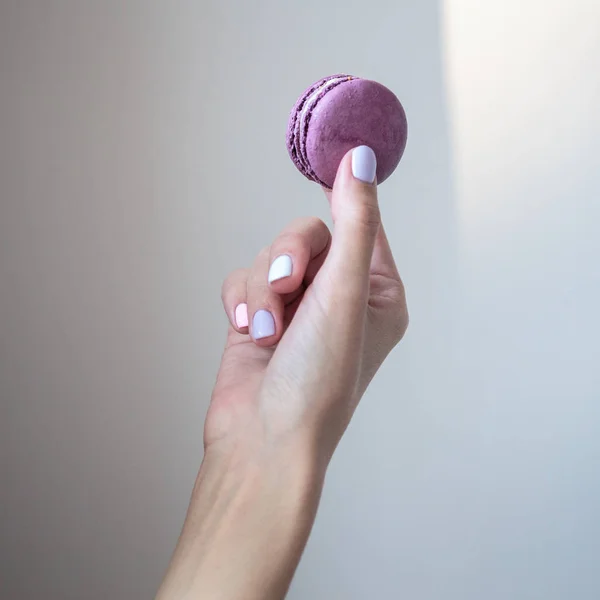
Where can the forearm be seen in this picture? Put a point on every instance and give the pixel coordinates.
(247, 524)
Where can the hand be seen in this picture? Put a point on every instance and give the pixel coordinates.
(317, 333)
(288, 385)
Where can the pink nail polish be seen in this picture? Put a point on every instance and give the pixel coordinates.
(241, 315)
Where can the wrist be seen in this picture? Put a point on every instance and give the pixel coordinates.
(250, 515)
(295, 457)
(285, 479)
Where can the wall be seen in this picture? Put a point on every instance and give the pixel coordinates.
(523, 87)
(142, 158)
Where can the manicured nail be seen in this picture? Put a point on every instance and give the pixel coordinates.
(281, 268)
(263, 325)
(364, 164)
(241, 315)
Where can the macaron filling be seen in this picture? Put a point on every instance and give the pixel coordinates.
(292, 138)
(304, 120)
(301, 122)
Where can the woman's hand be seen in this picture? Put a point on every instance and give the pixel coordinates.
(310, 323)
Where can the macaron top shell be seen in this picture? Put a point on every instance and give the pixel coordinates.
(339, 113)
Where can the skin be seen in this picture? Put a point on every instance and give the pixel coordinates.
(281, 404)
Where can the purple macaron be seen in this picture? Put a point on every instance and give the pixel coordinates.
(339, 113)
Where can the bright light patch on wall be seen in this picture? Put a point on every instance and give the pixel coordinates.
(524, 110)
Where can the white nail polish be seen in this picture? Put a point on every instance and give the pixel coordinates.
(364, 164)
(281, 268)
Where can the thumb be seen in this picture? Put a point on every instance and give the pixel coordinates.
(357, 220)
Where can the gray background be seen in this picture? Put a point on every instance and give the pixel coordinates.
(142, 157)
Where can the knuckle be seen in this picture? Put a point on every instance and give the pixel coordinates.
(398, 322)
(367, 215)
(306, 223)
(396, 312)
(286, 241)
(316, 224)
(262, 257)
(232, 280)
(300, 235)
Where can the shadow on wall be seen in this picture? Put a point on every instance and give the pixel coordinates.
(109, 304)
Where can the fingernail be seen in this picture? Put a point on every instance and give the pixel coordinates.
(241, 315)
(364, 164)
(281, 268)
(263, 325)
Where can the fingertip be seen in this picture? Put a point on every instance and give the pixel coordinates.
(281, 268)
(364, 164)
(240, 317)
(264, 328)
(359, 165)
(354, 196)
(292, 252)
(234, 299)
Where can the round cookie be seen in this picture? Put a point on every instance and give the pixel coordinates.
(341, 112)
